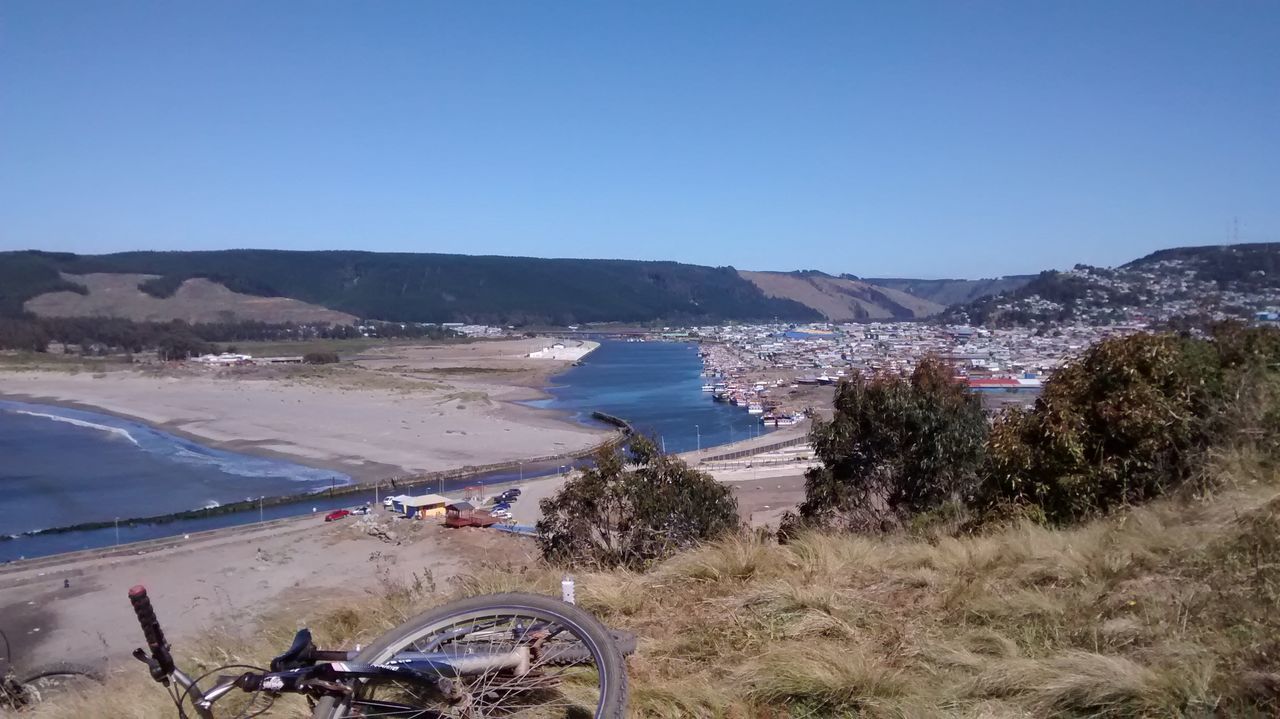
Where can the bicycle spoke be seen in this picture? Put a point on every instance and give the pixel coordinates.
(553, 685)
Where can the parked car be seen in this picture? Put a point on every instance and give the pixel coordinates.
(364, 509)
(502, 505)
(337, 514)
(500, 513)
(388, 503)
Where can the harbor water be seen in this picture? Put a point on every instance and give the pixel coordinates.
(64, 466)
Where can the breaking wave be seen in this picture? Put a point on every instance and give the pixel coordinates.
(118, 431)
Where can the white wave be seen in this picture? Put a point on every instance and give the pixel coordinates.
(80, 423)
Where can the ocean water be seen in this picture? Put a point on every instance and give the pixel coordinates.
(61, 467)
(657, 387)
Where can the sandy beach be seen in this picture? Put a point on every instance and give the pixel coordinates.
(227, 579)
(398, 410)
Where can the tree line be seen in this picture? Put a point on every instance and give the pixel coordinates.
(178, 339)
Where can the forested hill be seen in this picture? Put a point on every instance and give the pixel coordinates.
(425, 287)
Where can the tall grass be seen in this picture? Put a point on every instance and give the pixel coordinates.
(1164, 611)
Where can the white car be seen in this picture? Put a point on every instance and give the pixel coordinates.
(387, 502)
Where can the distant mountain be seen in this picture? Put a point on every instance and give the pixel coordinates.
(389, 286)
(842, 299)
(1210, 282)
(949, 292)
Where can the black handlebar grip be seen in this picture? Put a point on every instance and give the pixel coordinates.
(151, 628)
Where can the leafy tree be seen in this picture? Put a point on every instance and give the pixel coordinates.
(631, 513)
(1122, 424)
(22, 335)
(181, 345)
(894, 448)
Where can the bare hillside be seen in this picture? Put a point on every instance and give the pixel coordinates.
(196, 300)
(841, 299)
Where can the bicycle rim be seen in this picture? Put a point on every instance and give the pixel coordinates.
(591, 685)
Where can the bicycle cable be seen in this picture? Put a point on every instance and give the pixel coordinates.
(179, 700)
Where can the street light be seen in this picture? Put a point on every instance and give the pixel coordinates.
(698, 429)
(117, 531)
(260, 507)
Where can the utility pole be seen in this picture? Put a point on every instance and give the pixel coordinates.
(260, 508)
(698, 429)
(117, 531)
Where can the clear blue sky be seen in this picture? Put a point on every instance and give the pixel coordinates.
(893, 138)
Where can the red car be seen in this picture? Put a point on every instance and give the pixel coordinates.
(338, 514)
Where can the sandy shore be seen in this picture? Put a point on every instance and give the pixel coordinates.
(227, 580)
(406, 410)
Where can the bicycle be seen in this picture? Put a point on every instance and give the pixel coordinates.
(22, 689)
(502, 655)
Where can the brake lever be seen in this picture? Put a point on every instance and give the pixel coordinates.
(156, 672)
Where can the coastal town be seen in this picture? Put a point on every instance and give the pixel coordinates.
(771, 369)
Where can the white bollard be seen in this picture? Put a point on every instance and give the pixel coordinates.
(566, 589)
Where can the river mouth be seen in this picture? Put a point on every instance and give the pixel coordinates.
(74, 468)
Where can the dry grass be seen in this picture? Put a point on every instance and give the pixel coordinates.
(1165, 611)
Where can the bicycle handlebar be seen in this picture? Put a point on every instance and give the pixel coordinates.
(151, 630)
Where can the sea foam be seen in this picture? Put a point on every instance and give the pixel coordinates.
(80, 423)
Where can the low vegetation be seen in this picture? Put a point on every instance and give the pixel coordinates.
(178, 339)
(320, 358)
(1167, 610)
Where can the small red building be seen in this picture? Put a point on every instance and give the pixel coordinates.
(465, 514)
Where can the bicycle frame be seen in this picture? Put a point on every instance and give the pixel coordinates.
(327, 673)
(425, 668)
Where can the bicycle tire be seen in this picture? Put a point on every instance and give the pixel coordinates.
(613, 700)
(622, 639)
(30, 679)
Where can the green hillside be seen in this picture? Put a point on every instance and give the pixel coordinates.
(430, 287)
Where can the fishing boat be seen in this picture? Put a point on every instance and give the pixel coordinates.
(755, 408)
(708, 388)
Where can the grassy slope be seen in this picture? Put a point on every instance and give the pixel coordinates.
(951, 292)
(841, 299)
(1168, 610)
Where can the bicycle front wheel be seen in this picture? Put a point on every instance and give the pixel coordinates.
(575, 669)
(40, 683)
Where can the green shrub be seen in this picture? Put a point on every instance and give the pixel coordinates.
(618, 514)
(1132, 418)
(894, 448)
(320, 358)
